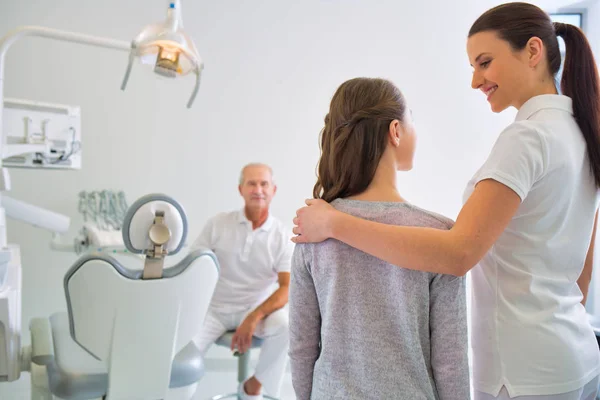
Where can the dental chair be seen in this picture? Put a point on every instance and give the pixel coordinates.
(127, 333)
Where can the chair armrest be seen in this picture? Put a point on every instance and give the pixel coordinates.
(42, 344)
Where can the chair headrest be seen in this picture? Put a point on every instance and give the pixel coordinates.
(155, 216)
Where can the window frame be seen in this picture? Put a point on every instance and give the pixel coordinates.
(582, 12)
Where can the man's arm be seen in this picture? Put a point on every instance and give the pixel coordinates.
(277, 300)
(243, 334)
(586, 275)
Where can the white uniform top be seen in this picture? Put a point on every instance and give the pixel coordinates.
(249, 260)
(530, 332)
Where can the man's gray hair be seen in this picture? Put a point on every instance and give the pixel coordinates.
(255, 164)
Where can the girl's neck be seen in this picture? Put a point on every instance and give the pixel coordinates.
(383, 187)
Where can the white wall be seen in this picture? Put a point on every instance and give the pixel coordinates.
(271, 68)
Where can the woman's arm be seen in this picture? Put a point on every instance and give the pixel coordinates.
(481, 221)
(588, 266)
(449, 337)
(305, 326)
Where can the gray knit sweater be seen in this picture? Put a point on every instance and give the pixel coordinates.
(361, 328)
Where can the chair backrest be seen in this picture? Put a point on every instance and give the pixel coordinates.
(135, 324)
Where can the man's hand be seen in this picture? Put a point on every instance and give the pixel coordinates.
(313, 222)
(242, 339)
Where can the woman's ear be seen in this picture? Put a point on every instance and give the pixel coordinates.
(394, 132)
(535, 51)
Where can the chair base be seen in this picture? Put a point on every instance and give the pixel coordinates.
(235, 396)
(40, 389)
(243, 364)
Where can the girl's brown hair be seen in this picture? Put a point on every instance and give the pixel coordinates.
(355, 136)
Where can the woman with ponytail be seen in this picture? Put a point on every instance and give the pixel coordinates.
(526, 230)
(361, 328)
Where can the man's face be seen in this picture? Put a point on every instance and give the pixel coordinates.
(258, 188)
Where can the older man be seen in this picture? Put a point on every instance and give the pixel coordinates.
(254, 253)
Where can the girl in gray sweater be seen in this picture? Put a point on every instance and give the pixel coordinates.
(361, 328)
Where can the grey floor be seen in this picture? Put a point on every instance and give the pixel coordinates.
(225, 382)
(218, 381)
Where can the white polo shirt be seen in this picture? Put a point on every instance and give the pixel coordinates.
(530, 332)
(250, 260)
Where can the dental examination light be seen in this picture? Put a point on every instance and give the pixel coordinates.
(168, 48)
(48, 136)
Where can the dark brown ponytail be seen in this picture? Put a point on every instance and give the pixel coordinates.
(580, 82)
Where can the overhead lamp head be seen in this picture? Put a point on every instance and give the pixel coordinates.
(167, 47)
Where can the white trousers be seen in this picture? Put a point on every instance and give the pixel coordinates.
(587, 392)
(274, 330)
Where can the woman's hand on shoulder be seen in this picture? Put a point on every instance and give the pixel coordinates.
(314, 222)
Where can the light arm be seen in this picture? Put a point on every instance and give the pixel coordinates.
(35, 216)
(9, 39)
(196, 88)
